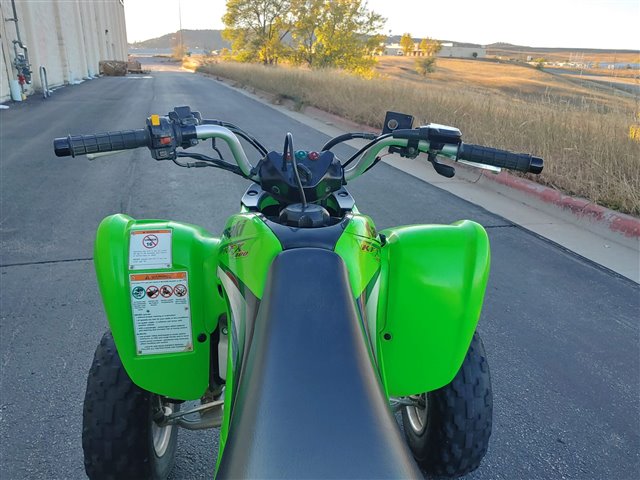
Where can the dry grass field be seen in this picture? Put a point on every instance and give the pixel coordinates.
(582, 133)
(505, 79)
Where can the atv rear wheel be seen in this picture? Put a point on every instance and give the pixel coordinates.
(448, 429)
(120, 435)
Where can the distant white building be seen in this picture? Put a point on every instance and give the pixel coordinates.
(393, 49)
(449, 50)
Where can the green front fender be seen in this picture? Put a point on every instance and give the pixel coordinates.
(433, 279)
(183, 375)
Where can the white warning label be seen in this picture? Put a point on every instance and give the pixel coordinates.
(161, 315)
(150, 249)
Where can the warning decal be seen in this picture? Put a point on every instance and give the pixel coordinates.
(150, 249)
(161, 315)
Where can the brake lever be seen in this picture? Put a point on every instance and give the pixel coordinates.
(441, 168)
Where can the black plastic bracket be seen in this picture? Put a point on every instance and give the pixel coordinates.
(396, 121)
(252, 197)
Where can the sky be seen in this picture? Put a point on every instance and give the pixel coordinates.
(606, 24)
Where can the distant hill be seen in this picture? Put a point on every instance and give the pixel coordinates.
(522, 48)
(212, 40)
(507, 51)
(192, 39)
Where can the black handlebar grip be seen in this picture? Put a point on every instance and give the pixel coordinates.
(102, 142)
(522, 162)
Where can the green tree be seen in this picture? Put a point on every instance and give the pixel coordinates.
(307, 17)
(424, 47)
(406, 43)
(256, 28)
(336, 33)
(540, 62)
(425, 65)
(430, 47)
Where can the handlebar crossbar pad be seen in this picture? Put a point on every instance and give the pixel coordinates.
(521, 162)
(102, 142)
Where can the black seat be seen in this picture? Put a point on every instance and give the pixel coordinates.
(309, 403)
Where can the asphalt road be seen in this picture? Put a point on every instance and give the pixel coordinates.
(625, 84)
(561, 333)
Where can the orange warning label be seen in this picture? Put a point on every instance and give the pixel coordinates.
(142, 277)
(161, 312)
(147, 232)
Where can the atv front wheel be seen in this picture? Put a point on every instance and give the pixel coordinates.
(120, 436)
(448, 429)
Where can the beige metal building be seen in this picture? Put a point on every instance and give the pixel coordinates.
(454, 51)
(66, 37)
(448, 50)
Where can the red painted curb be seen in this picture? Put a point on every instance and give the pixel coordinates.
(615, 221)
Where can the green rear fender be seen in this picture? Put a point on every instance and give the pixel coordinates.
(183, 375)
(433, 283)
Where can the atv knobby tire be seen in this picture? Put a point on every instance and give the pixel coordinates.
(450, 435)
(118, 427)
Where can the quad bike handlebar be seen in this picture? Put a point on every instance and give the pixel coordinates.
(162, 147)
(520, 162)
(183, 128)
(73, 145)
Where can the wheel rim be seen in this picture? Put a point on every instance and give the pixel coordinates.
(417, 414)
(161, 435)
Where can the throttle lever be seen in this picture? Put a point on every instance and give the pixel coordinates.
(93, 156)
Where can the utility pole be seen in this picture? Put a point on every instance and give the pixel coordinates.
(180, 24)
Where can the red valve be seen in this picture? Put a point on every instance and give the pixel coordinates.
(313, 155)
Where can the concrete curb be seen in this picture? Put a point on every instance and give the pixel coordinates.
(583, 209)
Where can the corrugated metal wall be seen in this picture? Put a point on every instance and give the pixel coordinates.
(67, 37)
(462, 52)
